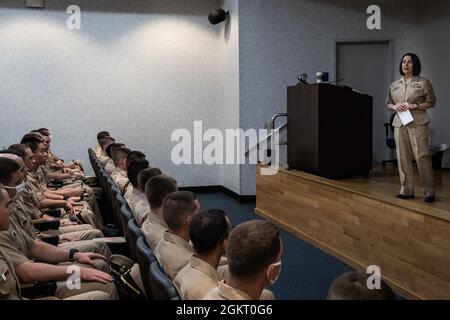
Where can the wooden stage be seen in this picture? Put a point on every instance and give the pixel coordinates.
(360, 222)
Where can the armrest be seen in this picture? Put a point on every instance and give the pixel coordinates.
(55, 184)
(54, 241)
(54, 213)
(39, 290)
(46, 225)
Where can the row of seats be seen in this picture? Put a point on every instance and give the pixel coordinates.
(157, 285)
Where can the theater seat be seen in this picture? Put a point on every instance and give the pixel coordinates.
(134, 233)
(119, 203)
(125, 216)
(144, 257)
(161, 285)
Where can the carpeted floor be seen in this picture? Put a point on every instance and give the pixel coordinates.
(306, 273)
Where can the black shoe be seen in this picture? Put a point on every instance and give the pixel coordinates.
(405, 197)
(430, 199)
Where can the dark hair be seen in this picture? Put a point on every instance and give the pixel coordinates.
(176, 207)
(33, 145)
(31, 137)
(252, 247)
(110, 149)
(44, 132)
(44, 129)
(157, 188)
(21, 148)
(353, 286)
(119, 153)
(14, 152)
(105, 140)
(146, 175)
(101, 135)
(133, 170)
(7, 169)
(208, 229)
(417, 66)
(133, 156)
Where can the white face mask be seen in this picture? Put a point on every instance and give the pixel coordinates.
(19, 188)
(274, 265)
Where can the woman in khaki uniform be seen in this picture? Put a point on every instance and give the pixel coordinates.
(415, 94)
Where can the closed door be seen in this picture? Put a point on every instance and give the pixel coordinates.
(367, 66)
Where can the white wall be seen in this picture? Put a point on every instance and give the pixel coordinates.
(434, 53)
(139, 69)
(280, 39)
(229, 75)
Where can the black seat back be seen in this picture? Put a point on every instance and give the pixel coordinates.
(144, 257)
(161, 285)
(134, 233)
(125, 216)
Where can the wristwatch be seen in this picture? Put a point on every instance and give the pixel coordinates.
(72, 254)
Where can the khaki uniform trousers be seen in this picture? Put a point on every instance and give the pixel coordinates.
(412, 143)
(63, 291)
(86, 234)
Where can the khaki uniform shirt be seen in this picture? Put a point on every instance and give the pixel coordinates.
(153, 229)
(9, 282)
(42, 175)
(53, 157)
(417, 90)
(103, 159)
(196, 279)
(120, 177)
(225, 292)
(173, 254)
(98, 150)
(21, 216)
(142, 210)
(30, 199)
(133, 197)
(36, 186)
(110, 167)
(16, 244)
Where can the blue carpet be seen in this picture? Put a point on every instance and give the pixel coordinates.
(306, 273)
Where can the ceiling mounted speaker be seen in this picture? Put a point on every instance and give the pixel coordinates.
(35, 3)
(217, 16)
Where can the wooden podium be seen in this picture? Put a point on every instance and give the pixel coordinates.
(329, 130)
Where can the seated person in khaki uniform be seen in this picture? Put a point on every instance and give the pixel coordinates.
(134, 195)
(23, 250)
(142, 207)
(98, 148)
(110, 166)
(254, 260)
(72, 188)
(353, 286)
(104, 143)
(156, 189)
(131, 157)
(27, 203)
(173, 251)
(119, 174)
(58, 199)
(208, 232)
(9, 282)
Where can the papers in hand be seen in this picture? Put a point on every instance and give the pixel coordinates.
(406, 117)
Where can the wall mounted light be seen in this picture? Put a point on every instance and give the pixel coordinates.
(218, 16)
